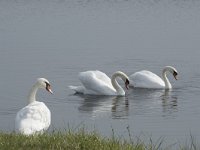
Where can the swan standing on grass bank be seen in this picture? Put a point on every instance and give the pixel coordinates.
(35, 117)
(98, 83)
(147, 79)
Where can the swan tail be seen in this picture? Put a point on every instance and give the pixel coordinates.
(77, 89)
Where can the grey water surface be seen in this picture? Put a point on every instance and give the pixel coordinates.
(57, 39)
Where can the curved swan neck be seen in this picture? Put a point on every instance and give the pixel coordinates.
(32, 94)
(118, 88)
(166, 80)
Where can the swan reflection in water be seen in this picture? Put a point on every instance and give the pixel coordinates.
(152, 100)
(142, 101)
(115, 106)
(169, 102)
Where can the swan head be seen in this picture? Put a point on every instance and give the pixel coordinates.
(127, 82)
(124, 77)
(173, 71)
(44, 84)
(175, 75)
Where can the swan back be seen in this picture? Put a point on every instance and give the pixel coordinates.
(94, 75)
(33, 118)
(146, 79)
(96, 82)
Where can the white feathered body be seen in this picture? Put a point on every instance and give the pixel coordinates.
(146, 79)
(95, 83)
(33, 118)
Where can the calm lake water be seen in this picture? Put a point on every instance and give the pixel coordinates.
(57, 39)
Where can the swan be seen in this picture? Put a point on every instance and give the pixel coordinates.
(35, 117)
(147, 79)
(98, 83)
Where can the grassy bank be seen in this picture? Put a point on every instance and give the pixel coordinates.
(79, 140)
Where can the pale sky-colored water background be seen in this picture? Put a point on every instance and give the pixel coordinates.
(57, 39)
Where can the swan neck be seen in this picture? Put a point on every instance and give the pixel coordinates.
(166, 80)
(118, 88)
(32, 94)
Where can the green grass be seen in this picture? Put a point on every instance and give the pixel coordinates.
(80, 140)
(77, 140)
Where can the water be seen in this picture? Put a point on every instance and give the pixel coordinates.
(57, 39)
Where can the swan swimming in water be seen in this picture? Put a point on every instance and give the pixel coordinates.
(35, 117)
(98, 83)
(147, 79)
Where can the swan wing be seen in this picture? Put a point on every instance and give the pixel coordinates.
(146, 79)
(35, 117)
(96, 82)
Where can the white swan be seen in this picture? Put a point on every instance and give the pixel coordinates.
(35, 117)
(98, 83)
(147, 79)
